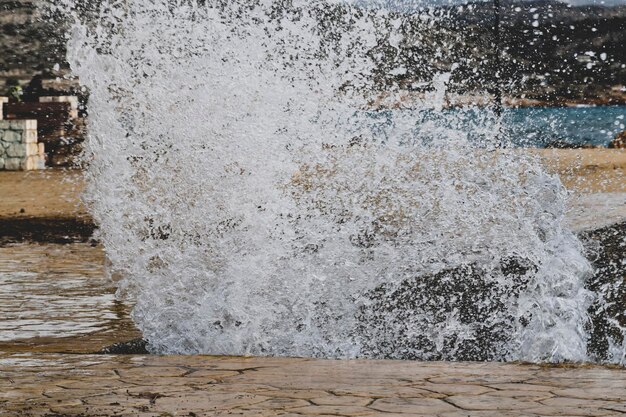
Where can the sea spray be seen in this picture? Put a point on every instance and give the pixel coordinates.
(256, 197)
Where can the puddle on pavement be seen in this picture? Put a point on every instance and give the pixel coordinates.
(55, 298)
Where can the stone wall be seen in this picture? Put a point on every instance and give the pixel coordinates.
(19, 149)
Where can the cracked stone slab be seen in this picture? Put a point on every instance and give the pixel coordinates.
(73, 385)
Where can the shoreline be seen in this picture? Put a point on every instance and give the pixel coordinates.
(405, 99)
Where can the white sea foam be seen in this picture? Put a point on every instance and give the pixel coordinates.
(251, 205)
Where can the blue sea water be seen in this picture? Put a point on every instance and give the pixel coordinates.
(522, 127)
(540, 126)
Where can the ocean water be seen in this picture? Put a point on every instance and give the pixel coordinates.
(541, 126)
(249, 206)
(531, 127)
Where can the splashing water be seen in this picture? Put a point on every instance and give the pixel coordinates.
(254, 201)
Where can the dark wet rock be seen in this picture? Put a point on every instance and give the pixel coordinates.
(132, 347)
(559, 144)
(391, 324)
(619, 142)
(606, 249)
(45, 230)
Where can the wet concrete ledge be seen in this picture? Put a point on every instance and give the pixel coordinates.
(60, 230)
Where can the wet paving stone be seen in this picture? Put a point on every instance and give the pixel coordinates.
(45, 384)
(56, 298)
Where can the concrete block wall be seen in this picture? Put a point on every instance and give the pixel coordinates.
(19, 149)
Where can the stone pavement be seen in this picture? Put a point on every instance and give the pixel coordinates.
(45, 384)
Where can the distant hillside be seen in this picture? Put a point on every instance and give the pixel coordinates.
(28, 44)
(549, 51)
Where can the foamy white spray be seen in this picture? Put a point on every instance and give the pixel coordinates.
(250, 203)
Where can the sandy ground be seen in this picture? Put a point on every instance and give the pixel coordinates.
(588, 170)
(596, 178)
(49, 193)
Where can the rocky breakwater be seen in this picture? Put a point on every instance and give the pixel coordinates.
(619, 142)
(606, 249)
(478, 295)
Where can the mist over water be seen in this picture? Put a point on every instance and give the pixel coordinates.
(250, 203)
